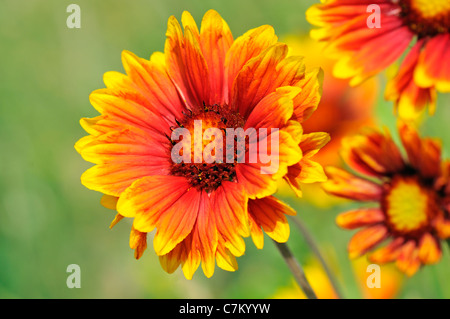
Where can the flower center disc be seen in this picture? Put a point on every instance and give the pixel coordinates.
(426, 17)
(407, 205)
(431, 8)
(201, 172)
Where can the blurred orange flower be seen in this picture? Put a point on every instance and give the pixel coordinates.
(364, 50)
(201, 210)
(391, 281)
(413, 197)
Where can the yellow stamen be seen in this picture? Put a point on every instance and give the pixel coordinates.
(407, 204)
(431, 8)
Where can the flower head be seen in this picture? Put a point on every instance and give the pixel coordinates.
(159, 141)
(413, 196)
(364, 50)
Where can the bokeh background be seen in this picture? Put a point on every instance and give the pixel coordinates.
(48, 220)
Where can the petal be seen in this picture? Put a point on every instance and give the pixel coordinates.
(183, 255)
(290, 179)
(366, 239)
(256, 184)
(260, 178)
(429, 249)
(122, 157)
(91, 127)
(151, 80)
(410, 99)
(307, 172)
(125, 144)
(433, 68)
(215, 39)
(109, 201)
(188, 21)
(308, 100)
(262, 75)
(274, 110)
(442, 227)
(249, 45)
(148, 198)
(225, 259)
(289, 153)
(191, 258)
(205, 236)
(359, 218)
(423, 154)
(117, 219)
(375, 53)
(388, 253)
(408, 260)
(118, 81)
(362, 51)
(269, 213)
(170, 261)
(186, 64)
(295, 129)
(138, 242)
(372, 153)
(127, 107)
(343, 184)
(229, 202)
(198, 247)
(311, 143)
(256, 231)
(113, 179)
(333, 13)
(177, 222)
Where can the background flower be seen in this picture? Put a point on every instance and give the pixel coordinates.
(364, 51)
(411, 217)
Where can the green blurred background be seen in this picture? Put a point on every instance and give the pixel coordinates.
(48, 220)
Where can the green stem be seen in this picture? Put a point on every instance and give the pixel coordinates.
(315, 249)
(296, 270)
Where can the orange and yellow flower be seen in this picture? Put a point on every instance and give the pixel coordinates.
(364, 51)
(413, 197)
(201, 210)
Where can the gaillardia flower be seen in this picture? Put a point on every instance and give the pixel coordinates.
(182, 104)
(413, 197)
(364, 48)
